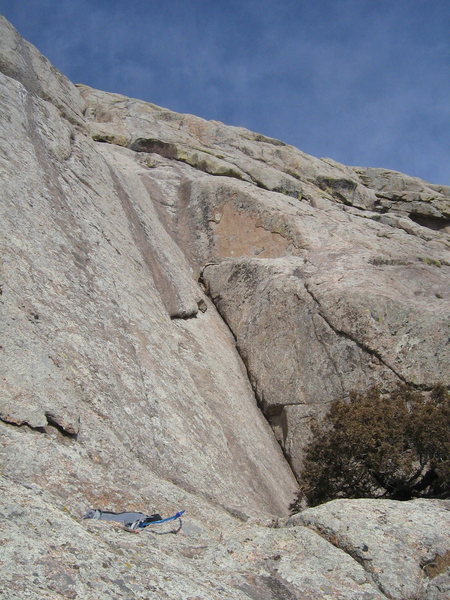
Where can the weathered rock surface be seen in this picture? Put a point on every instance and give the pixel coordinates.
(396, 542)
(50, 554)
(97, 340)
(337, 332)
(123, 387)
(353, 289)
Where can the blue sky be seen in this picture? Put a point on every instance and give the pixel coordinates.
(365, 82)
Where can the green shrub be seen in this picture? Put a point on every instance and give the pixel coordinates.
(375, 446)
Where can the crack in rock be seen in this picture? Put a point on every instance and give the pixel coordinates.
(360, 344)
(53, 420)
(338, 543)
(326, 349)
(171, 296)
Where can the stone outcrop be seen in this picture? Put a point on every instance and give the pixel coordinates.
(390, 539)
(164, 279)
(343, 271)
(97, 300)
(353, 550)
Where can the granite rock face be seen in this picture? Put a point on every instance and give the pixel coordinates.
(98, 342)
(396, 542)
(401, 551)
(169, 287)
(342, 271)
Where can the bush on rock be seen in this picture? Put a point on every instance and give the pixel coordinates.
(378, 446)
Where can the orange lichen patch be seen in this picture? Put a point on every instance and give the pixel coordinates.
(239, 234)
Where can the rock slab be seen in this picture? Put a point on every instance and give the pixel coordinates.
(128, 384)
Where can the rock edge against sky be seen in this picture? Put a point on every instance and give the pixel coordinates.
(179, 299)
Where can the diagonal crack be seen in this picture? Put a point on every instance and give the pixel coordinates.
(171, 296)
(8, 420)
(340, 544)
(361, 345)
(326, 349)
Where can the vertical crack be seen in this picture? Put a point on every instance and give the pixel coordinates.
(277, 414)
